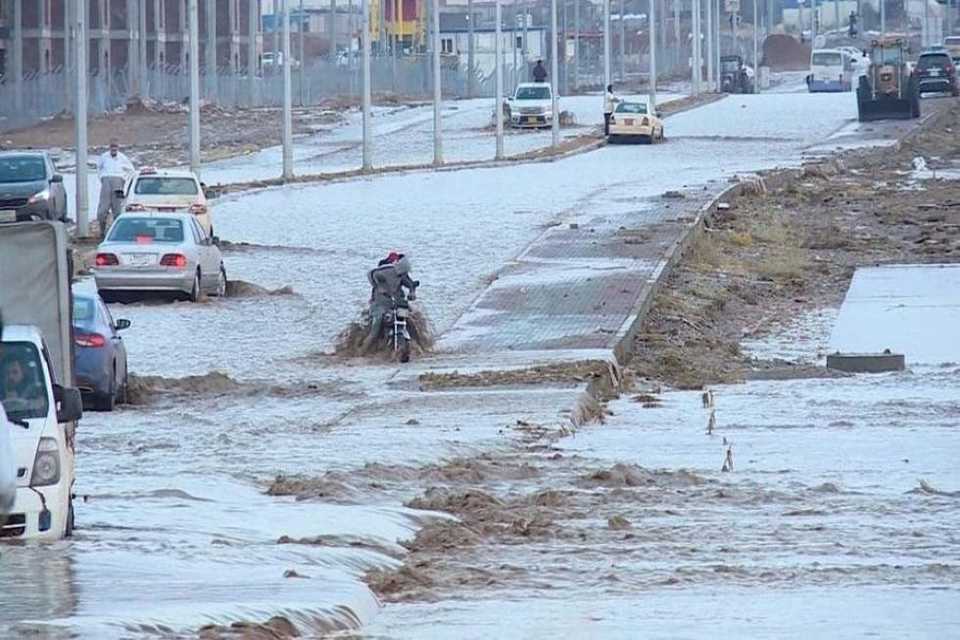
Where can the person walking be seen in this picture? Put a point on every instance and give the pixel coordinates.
(609, 104)
(113, 168)
(539, 72)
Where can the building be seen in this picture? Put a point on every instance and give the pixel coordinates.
(34, 34)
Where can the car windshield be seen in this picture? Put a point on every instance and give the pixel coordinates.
(938, 61)
(159, 186)
(146, 230)
(22, 169)
(83, 311)
(827, 59)
(886, 55)
(533, 93)
(631, 107)
(729, 65)
(22, 388)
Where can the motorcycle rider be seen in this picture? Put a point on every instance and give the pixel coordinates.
(388, 281)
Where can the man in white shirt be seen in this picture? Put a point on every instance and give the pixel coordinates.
(114, 168)
(609, 104)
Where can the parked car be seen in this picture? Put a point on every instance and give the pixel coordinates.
(160, 252)
(531, 105)
(631, 122)
(168, 190)
(99, 356)
(952, 45)
(936, 73)
(833, 70)
(30, 187)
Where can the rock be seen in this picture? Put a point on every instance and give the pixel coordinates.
(619, 523)
(672, 195)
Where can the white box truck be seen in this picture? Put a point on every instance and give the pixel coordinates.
(37, 390)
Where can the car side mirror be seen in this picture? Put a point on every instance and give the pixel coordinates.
(215, 240)
(210, 194)
(122, 323)
(57, 178)
(69, 403)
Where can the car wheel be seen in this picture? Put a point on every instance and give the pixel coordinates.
(195, 291)
(105, 401)
(222, 283)
(122, 392)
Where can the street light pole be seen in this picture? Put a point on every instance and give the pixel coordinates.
(437, 94)
(498, 104)
(554, 65)
(367, 160)
(470, 45)
(606, 44)
(709, 20)
(756, 48)
(287, 97)
(194, 87)
(79, 43)
(695, 32)
(652, 107)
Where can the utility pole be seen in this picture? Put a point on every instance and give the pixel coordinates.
(709, 20)
(652, 106)
(836, 13)
(276, 35)
(211, 49)
(554, 65)
(365, 40)
(303, 66)
(16, 60)
(883, 17)
(756, 48)
(253, 25)
(606, 44)
(697, 60)
(470, 45)
(576, 45)
(623, 45)
(333, 31)
(287, 97)
(526, 51)
(498, 104)
(142, 61)
(437, 95)
(193, 20)
(79, 41)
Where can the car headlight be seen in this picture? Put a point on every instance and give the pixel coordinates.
(39, 197)
(46, 466)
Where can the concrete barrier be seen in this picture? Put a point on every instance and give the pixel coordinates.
(866, 362)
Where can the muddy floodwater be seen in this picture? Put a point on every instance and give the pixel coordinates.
(258, 476)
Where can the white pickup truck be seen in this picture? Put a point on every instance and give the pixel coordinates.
(36, 378)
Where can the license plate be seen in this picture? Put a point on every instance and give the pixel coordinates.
(934, 72)
(529, 119)
(628, 122)
(8, 215)
(139, 260)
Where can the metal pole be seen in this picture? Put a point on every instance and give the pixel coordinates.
(367, 159)
(709, 26)
(883, 17)
(276, 36)
(498, 104)
(652, 106)
(756, 48)
(332, 22)
(513, 46)
(525, 51)
(68, 65)
(606, 43)
(287, 97)
(695, 32)
(16, 62)
(623, 45)
(80, 114)
(470, 46)
(194, 53)
(554, 65)
(210, 61)
(437, 96)
(836, 14)
(576, 45)
(253, 22)
(303, 65)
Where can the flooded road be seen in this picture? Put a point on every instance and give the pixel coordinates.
(178, 529)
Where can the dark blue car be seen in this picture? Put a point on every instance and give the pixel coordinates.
(100, 358)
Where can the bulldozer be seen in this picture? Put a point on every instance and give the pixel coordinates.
(889, 89)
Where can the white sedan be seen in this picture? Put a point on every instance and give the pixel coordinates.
(631, 122)
(168, 190)
(168, 252)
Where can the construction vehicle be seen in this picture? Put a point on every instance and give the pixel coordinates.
(735, 76)
(889, 89)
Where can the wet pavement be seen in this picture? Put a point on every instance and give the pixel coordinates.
(177, 530)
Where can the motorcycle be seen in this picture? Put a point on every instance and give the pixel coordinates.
(396, 333)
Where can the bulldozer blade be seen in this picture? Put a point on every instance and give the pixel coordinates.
(886, 109)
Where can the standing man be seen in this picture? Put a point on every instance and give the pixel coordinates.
(114, 169)
(609, 104)
(539, 72)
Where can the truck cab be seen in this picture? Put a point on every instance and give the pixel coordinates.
(42, 416)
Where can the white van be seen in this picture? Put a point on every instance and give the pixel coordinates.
(8, 467)
(831, 70)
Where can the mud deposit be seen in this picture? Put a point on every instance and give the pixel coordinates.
(349, 343)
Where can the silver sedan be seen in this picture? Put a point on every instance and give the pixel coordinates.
(168, 252)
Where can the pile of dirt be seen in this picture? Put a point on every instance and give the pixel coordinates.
(628, 475)
(562, 373)
(785, 53)
(144, 389)
(242, 289)
(304, 488)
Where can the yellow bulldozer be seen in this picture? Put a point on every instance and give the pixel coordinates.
(889, 89)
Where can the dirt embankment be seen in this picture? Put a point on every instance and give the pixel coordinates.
(774, 255)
